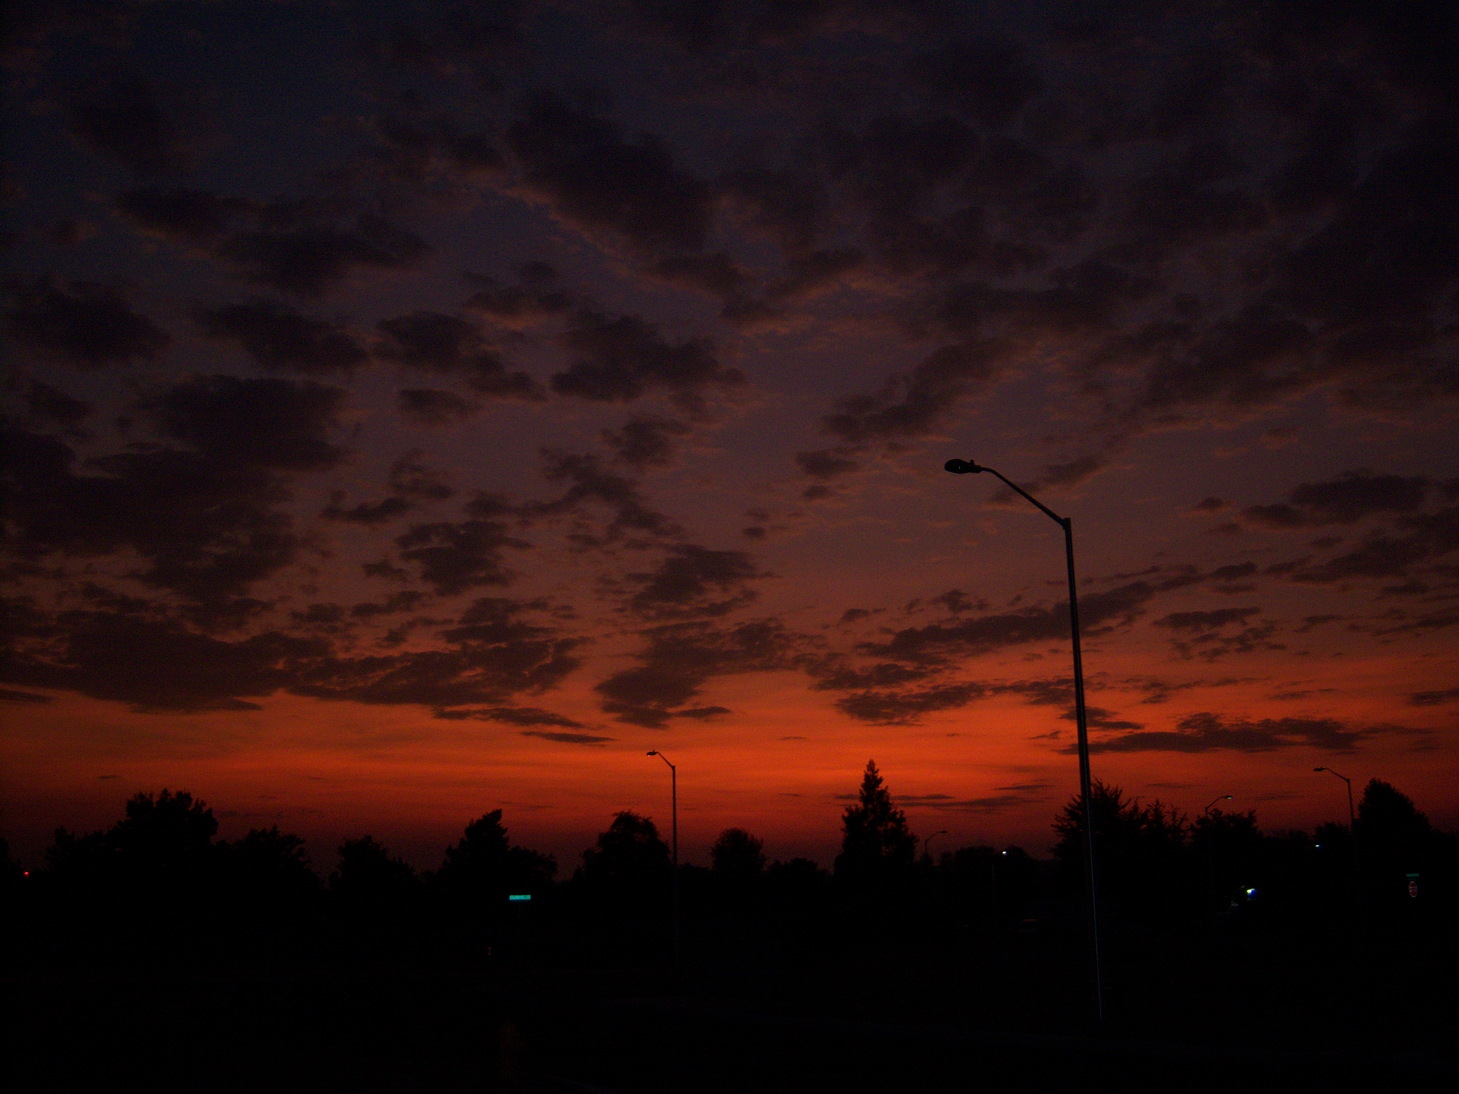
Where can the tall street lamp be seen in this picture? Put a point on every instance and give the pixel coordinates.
(927, 842)
(1223, 798)
(1352, 817)
(674, 881)
(969, 467)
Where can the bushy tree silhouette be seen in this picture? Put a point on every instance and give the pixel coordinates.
(375, 899)
(737, 858)
(1141, 854)
(875, 839)
(1401, 857)
(622, 889)
(630, 853)
(1229, 858)
(875, 870)
(268, 895)
(479, 873)
(483, 864)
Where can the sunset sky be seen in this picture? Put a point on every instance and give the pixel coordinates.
(417, 409)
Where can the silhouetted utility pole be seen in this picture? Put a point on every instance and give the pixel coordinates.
(966, 467)
(1352, 816)
(674, 811)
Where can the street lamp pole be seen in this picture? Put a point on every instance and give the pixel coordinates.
(966, 467)
(1352, 816)
(1223, 798)
(674, 810)
(927, 842)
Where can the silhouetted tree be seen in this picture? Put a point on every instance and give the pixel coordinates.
(875, 839)
(737, 857)
(269, 894)
(622, 889)
(1228, 857)
(478, 875)
(375, 897)
(799, 901)
(1140, 849)
(1393, 841)
(875, 870)
(629, 854)
(985, 885)
(145, 887)
(164, 839)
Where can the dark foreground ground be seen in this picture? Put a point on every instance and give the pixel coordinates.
(1013, 1016)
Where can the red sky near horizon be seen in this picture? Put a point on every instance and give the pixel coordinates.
(415, 410)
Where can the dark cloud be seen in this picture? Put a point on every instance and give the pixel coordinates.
(1102, 719)
(450, 345)
(279, 338)
(1387, 254)
(50, 405)
(595, 177)
(563, 738)
(590, 486)
(10, 695)
(790, 207)
(826, 464)
(535, 296)
(1206, 621)
(403, 601)
(495, 653)
(1084, 300)
(310, 259)
(411, 477)
(82, 324)
(1070, 474)
(694, 581)
(204, 526)
(426, 148)
(905, 707)
(1347, 500)
(518, 716)
(366, 513)
(836, 676)
(1208, 634)
(984, 80)
(619, 359)
(157, 664)
(182, 215)
(918, 402)
(440, 37)
(1207, 732)
(269, 423)
(432, 408)
(120, 117)
(453, 557)
(1423, 538)
(643, 443)
(1434, 698)
(940, 643)
(680, 658)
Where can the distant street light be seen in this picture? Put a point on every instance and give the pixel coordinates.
(927, 840)
(1223, 798)
(1352, 816)
(674, 880)
(967, 467)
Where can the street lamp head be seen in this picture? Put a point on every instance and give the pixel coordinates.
(652, 752)
(962, 467)
(1319, 769)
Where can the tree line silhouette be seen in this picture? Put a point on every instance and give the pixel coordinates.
(160, 887)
